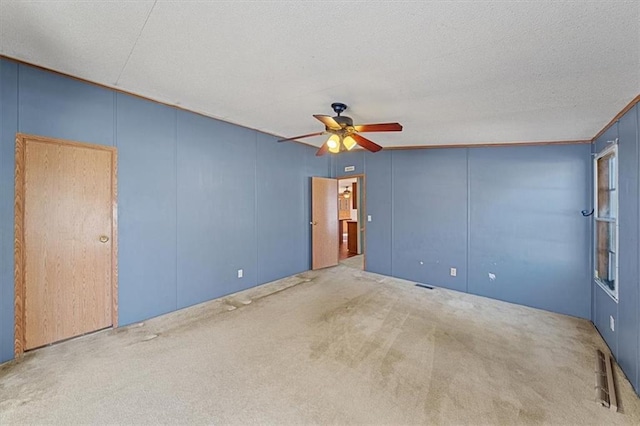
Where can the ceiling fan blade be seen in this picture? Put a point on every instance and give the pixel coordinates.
(366, 143)
(379, 127)
(328, 121)
(323, 150)
(301, 136)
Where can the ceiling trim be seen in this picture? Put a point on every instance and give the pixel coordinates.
(179, 107)
(490, 145)
(619, 115)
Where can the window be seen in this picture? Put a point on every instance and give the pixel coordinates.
(606, 220)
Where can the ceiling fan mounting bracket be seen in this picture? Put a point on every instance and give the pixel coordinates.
(338, 107)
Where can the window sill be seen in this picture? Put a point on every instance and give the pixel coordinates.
(606, 289)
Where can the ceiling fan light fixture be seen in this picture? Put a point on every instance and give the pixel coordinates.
(346, 193)
(349, 142)
(333, 143)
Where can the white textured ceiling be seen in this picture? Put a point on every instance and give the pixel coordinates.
(450, 72)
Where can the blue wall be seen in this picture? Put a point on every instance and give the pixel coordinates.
(146, 135)
(513, 212)
(379, 204)
(430, 216)
(625, 339)
(8, 128)
(526, 227)
(198, 198)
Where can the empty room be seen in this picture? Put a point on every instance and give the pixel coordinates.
(304, 212)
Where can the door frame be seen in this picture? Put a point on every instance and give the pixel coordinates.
(362, 188)
(19, 243)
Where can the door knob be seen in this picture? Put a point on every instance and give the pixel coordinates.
(104, 238)
(313, 223)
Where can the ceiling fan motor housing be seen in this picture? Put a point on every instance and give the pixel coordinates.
(344, 121)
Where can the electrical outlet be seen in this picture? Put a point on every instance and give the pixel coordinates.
(453, 272)
(612, 323)
(240, 273)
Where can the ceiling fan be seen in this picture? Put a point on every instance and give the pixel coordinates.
(344, 134)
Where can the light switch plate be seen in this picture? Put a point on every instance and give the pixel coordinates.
(368, 218)
(240, 273)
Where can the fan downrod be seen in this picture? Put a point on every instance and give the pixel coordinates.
(338, 107)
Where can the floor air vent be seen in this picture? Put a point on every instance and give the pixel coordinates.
(428, 287)
(605, 386)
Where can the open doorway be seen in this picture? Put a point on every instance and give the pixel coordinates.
(351, 221)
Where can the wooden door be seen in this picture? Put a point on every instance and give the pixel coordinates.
(68, 250)
(324, 221)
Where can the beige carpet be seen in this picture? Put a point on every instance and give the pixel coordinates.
(339, 346)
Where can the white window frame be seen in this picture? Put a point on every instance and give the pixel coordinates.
(614, 199)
